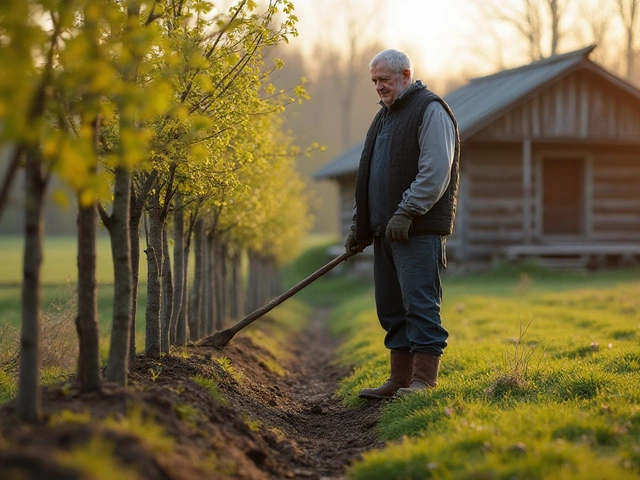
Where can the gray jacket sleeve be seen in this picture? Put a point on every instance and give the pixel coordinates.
(436, 137)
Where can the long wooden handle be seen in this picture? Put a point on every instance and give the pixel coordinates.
(289, 293)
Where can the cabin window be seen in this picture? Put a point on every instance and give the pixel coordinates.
(563, 196)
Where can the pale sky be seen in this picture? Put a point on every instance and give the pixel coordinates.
(445, 38)
(433, 27)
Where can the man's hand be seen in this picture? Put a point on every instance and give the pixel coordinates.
(398, 228)
(352, 245)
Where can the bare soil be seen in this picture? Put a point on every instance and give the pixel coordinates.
(272, 427)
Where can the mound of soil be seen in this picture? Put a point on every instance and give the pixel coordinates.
(268, 425)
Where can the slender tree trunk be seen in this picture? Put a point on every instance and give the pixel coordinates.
(554, 11)
(138, 202)
(15, 153)
(211, 284)
(119, 227)
(218, 286)
(183, 321)
(88, 370)
(178, 265)
(226, 283)
(276, 279)
(153, 344)
(263, 281)
(29, 394)
(221, 320)
(135, 214)
(237, 292)
(209, 302)
(252, 284)
(89, 374)
(197, 305)
(117, 365)
(167, 293)
(628, 10)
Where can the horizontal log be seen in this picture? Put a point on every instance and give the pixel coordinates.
(497, 205)
(568, 249)
(607, 190)
(617, 236)
(497, 237)
(618, 220)
(490, 189)
(608, 172)
(496, 221)
(616, 205)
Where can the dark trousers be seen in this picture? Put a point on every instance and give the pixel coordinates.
(408, 292)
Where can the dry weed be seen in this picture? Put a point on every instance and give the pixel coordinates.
(58, 338)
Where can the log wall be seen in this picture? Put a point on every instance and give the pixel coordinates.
(582, 105)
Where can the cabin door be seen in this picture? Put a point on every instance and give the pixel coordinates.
(563, 196)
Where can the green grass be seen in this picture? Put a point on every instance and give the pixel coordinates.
(330, 289)
(59, 260)
(559, 399)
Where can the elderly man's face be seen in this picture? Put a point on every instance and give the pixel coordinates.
(389, 84)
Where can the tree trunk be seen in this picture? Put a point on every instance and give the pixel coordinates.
(218, 286)
(226, 282)
(555, 13)
(138, 202)
(153, 344)
(195, 316)
(117, 365)
(252, 284)
(263, 281)
(88, 370)
(167, 293)
(628, 11)
(89, 374)
(29, 394)
(209, 295)
(237, 292)
(135, 214)
(183, 320)
(178, 265)
(222, 285)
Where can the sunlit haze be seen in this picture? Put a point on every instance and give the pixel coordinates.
(429, 30)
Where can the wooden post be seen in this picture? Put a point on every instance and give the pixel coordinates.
(588, 197)
(526, 190)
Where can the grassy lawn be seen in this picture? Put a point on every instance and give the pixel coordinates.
(541, 379)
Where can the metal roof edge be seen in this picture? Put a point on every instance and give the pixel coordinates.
(582, 53)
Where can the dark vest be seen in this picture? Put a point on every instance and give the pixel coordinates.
(403, 167)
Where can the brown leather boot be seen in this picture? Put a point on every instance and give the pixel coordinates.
(425, 373)
(401, 368)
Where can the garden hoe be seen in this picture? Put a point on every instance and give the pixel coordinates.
(221, 339)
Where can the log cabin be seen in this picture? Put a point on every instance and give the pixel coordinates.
(550, 167)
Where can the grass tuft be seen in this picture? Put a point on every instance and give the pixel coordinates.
(95, 460)
(143, 427)
(228, 369)
(211, 387)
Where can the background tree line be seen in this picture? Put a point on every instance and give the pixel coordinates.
(161, 119)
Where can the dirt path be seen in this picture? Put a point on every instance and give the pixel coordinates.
(321, 436)
(332, 435)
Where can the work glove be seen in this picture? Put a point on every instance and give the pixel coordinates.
(398, 228)
(353, 246)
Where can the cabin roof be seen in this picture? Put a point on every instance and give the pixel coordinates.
(484, 99)
(477, 103)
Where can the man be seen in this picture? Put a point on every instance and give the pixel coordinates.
(406, 192)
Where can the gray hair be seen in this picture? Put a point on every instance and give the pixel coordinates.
(398, 61)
